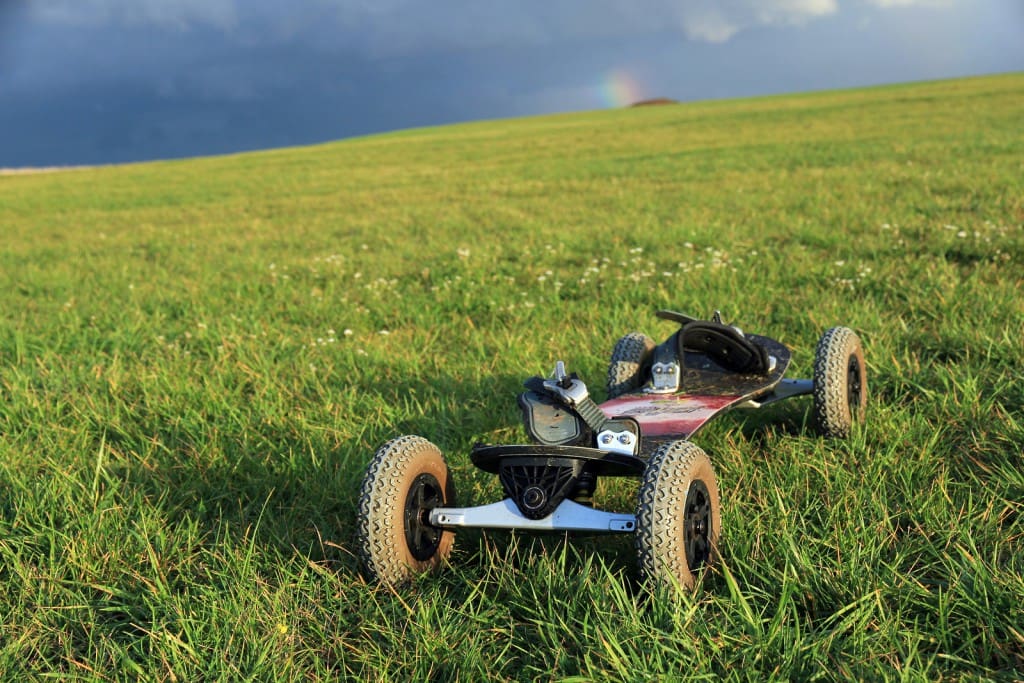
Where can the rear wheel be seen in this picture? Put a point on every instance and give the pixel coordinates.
(406, 479)
(678, 517)
(840, 382)
(630, 358)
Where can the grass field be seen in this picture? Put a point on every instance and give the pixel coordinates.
(198, 359)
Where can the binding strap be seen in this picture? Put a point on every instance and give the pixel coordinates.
(725, 345)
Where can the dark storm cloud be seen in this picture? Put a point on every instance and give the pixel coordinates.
(90, 81)
(396, 27)
(11, 13)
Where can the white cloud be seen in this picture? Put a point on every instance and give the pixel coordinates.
(793, 11)
(885, 4)
(174, 14)
(400, 26)
(718, 21)
(706, 21)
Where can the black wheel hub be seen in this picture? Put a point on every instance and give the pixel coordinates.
(539, 485)
(853, 385)
(697, 525)
(422, 537)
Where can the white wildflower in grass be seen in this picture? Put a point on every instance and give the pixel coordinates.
(384, 333)
(845, 283)
(347, 332)
(462, 253)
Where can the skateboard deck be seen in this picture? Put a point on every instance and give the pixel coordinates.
(706, 389)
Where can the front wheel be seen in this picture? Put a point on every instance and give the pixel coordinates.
(840, 382)
(630, 358)
(406, 479)
(678, 517)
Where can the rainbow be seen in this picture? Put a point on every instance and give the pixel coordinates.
(620, 89)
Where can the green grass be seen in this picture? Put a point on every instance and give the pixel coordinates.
(198, 358)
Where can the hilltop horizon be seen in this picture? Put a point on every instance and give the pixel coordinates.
(659, 100)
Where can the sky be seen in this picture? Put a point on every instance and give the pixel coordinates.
(111, 81)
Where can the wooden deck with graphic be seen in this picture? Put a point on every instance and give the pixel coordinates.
(706, 389)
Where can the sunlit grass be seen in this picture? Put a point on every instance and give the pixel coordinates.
(198, 358)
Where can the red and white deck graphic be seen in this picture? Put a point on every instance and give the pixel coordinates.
(669, 414)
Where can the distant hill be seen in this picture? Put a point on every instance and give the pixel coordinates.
(654, 101)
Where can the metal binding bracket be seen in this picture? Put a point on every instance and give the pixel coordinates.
(568, 516)
(569, 389)
(573, 392)
(665, 367)
(623, 442)
(664, 378)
